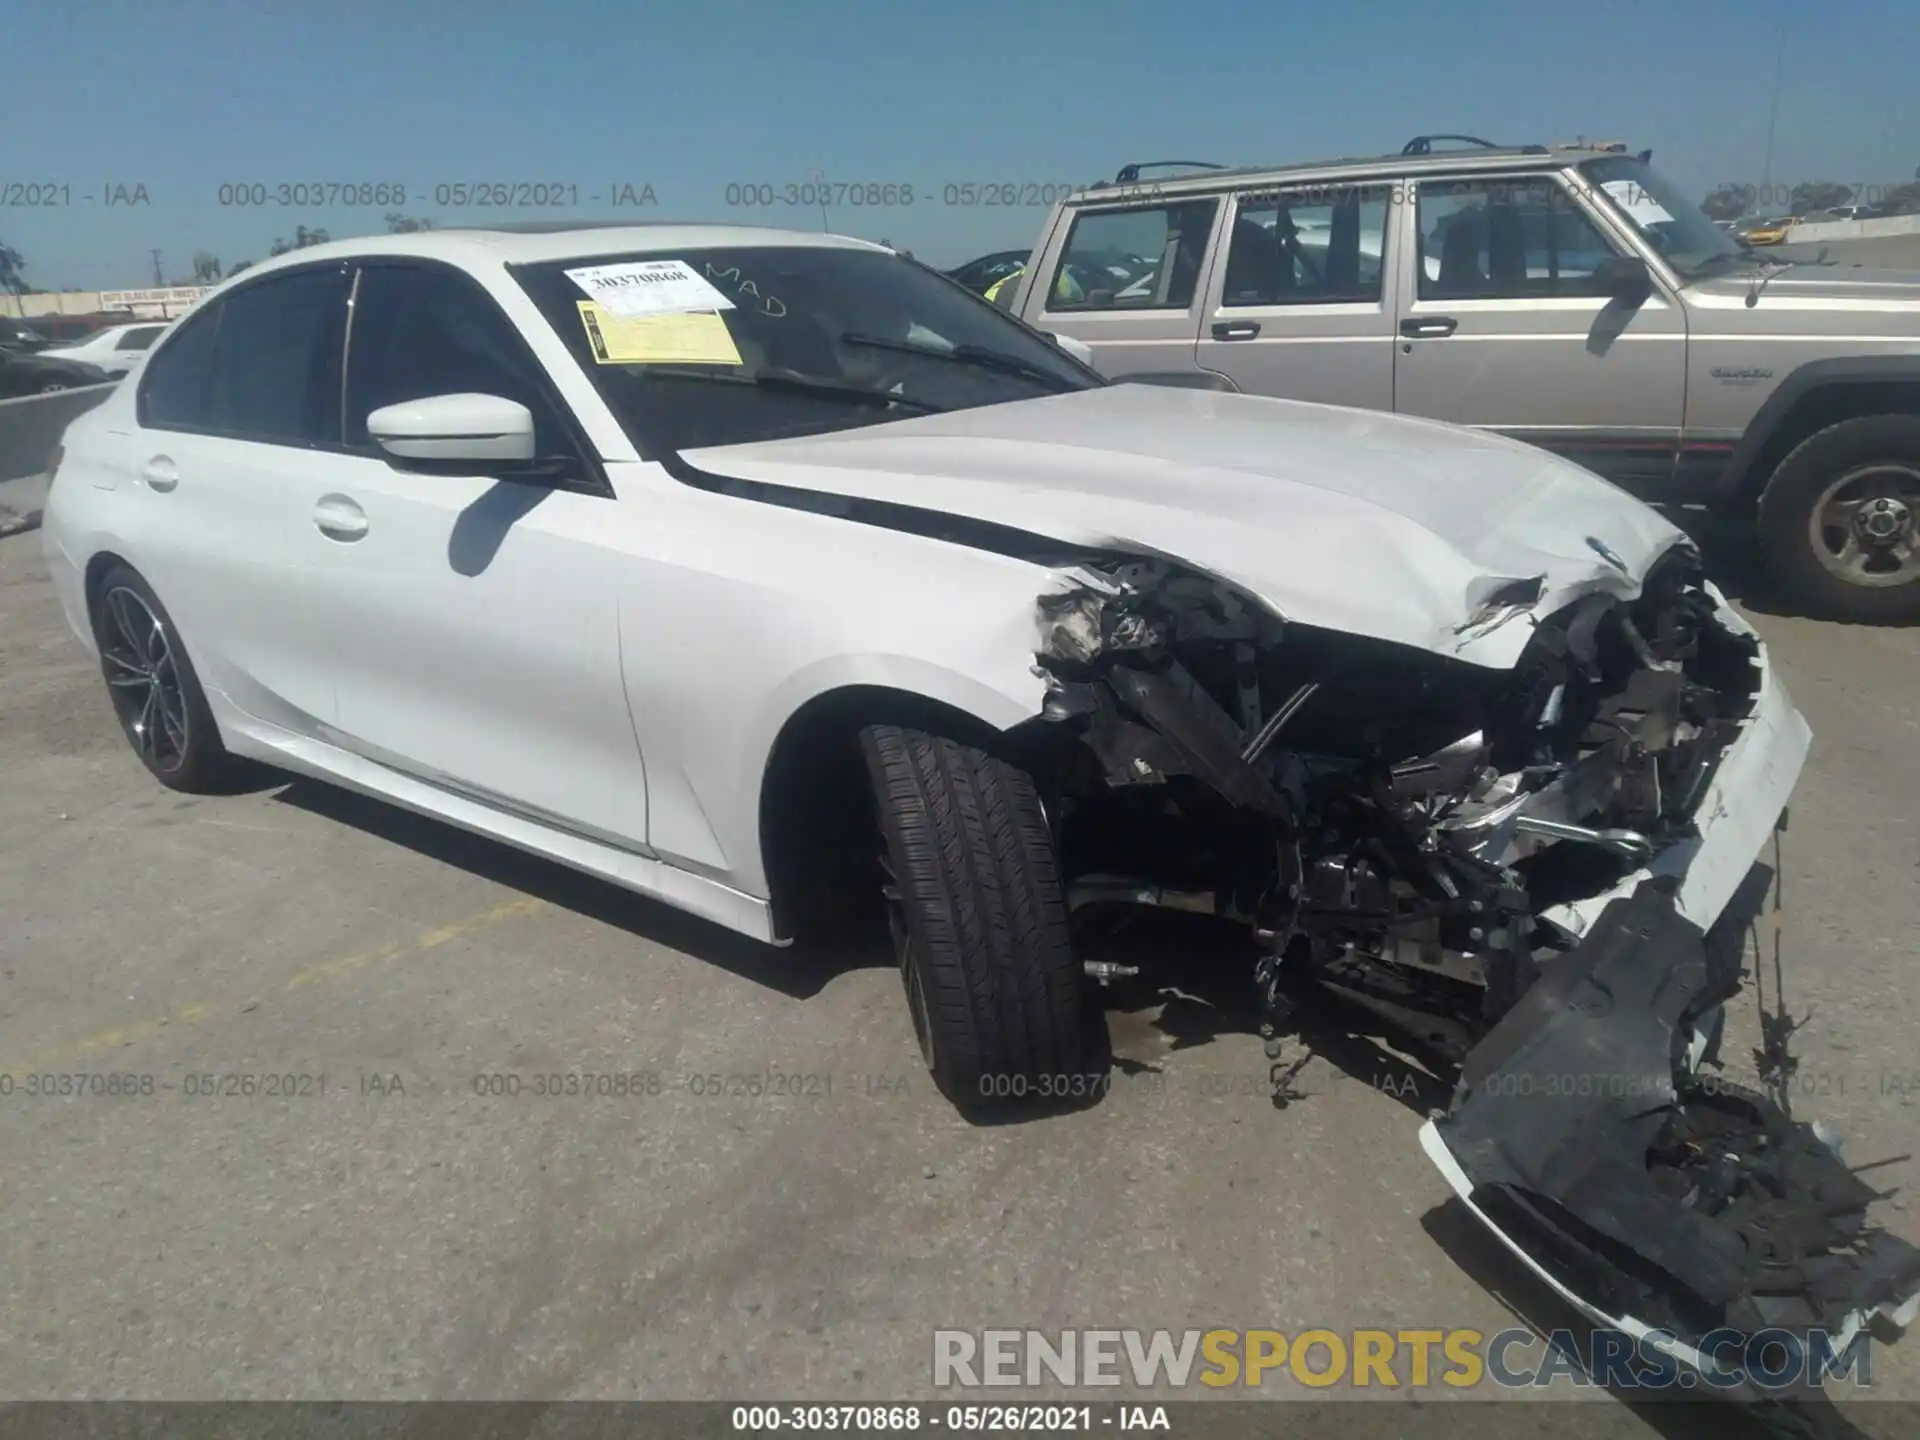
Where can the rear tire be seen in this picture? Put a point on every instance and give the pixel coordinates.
(1873, 460)
(155, 693)
(979, 921)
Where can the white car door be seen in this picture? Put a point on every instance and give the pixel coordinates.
(234, 425)
(477, 617)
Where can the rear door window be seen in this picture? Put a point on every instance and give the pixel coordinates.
(1307, 247)
(1146, 258)
(276, 374)
(174, 387)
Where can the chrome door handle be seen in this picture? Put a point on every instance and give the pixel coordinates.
(160, 473)
(338, 518)
(1432, 328)
(1236, 329)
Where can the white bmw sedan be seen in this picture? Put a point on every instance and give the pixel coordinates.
(761, 572)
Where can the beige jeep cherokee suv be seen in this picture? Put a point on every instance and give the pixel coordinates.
(1568, 296)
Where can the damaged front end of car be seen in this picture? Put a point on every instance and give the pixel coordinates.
(1512, 871)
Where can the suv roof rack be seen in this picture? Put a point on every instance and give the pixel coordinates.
(1130, 173)
(1423, 145)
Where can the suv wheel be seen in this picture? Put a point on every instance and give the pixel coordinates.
(979, 921)
(1840, 519)
(155, 693)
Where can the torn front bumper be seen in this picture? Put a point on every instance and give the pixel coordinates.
(1742, 804)
(1654, 1198)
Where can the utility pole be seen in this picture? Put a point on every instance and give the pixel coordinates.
(157, 281)
(1763, 201)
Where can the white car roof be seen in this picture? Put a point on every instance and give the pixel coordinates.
(479, 248)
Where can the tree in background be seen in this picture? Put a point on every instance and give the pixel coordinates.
(398, 224)
(1903, 199)
(206, 268)
(10, 267)
(302, 238)
(1812, 195)
(1729, 202)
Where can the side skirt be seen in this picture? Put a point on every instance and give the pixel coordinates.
(748, 915)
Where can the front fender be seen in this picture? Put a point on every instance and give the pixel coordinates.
(999, 691)
(719, 656)
(1745, 471)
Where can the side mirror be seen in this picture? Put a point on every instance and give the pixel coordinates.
(482, 429)
(1078, 349)
(1623, 275)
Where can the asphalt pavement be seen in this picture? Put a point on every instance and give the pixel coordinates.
(326, 1172)
(20, 502)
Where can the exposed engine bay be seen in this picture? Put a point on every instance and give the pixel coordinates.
(1391, 822)
(1414, 835)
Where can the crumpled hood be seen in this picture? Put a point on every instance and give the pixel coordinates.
(1346, 519)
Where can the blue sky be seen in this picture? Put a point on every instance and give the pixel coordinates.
(183, 96)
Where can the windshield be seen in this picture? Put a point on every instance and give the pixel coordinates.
(1671, 223)
(789, 340)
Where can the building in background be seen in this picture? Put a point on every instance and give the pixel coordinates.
(115, 305)
(162, 304)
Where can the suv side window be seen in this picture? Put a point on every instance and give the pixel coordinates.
(1307, 247)
(275, 378)
(1141, 259)
(421, 330)
(173, 385)
(140, 339)
(1505, 239)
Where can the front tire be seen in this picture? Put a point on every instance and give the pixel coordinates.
(979, 921)
(1840, 520)
(156, 694)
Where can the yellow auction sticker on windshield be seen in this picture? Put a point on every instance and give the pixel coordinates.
(691, 337)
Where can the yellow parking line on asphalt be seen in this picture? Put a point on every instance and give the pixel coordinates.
(333, 969)
(119, 1037)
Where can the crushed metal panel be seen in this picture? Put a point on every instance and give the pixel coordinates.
(1644, 1192)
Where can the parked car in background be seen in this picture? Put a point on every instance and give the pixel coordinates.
(1844, 212)
(979, 275)
(66, 329)
(116, 349)
(19, 336)
(1765, 232)
(24, 373)
(1572, 299)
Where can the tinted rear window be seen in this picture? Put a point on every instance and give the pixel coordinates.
(173, 391)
